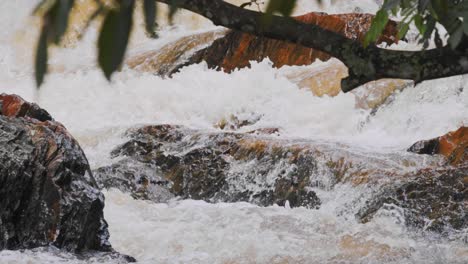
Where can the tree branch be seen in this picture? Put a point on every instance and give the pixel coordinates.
(364, 64)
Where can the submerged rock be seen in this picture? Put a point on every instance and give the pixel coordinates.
(433, 199)
(453, 145)
(168, 161)
(139, 179)
(232, 167)
(48, 195)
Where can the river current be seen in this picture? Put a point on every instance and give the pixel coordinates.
(97, 113)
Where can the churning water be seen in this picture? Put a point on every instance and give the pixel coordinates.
(185, 231)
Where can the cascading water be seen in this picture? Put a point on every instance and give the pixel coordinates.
(97, 113)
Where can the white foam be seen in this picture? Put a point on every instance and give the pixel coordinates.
(98, 112)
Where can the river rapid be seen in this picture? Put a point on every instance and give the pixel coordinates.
(98, 113)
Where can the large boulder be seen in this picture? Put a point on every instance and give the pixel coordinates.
(161, 162)
(431, 199)
(434, 199)
(206, 171)
(231, 167)
(453, 145)
(48, 195)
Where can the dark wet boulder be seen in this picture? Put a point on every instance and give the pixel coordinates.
(431, 199)
(141, 180)
(453, 145)
(260, 168)
(209, 166)
(48, 195)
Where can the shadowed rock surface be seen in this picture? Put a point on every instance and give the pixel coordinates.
(47, 194)
(169, 161)
(233, 167)
(211, 167)
(435, 200)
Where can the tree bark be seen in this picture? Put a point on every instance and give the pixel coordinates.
(364, 64)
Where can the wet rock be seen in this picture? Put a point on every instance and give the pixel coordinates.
(432, 199)
(231, 167)
(15, 106)
(141, 180)
(229, 50)
(166, 59)
(47, 194)
(453, 145)
(207, 167)
(325, 80)
(234, 122)
(237, 49)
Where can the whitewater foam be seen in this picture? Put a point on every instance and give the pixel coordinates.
(97, 113)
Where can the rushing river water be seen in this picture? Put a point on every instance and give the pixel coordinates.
(185, 231)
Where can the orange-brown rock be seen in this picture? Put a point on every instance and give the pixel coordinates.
(453, 145)
(233, 49)
(326, 80)
(164, 60)
(15, 106)
(237, 49)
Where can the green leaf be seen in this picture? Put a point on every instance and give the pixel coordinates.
(41, 57)
(284, 7)
(390, 4)
(172, 10)
(378, 25)
(149, 9)
(402, 30)
(43, 7)
(465, 26)
(113, 38)
(419, 23)
(59, 14)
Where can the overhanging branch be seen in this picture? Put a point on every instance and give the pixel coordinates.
(364, 64)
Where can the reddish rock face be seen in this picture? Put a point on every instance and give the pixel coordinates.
(453, 145)
(236, 49)
(15, 106)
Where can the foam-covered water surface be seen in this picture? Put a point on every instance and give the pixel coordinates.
(98, 113)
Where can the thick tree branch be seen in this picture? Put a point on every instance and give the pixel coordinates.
(364, 64)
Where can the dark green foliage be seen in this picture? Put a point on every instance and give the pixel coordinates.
(41, 57)
(149, 9)
(284, 7)
(425, 15)
(55, 22)
(113, 38)
(172, 10)
(377, 27)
